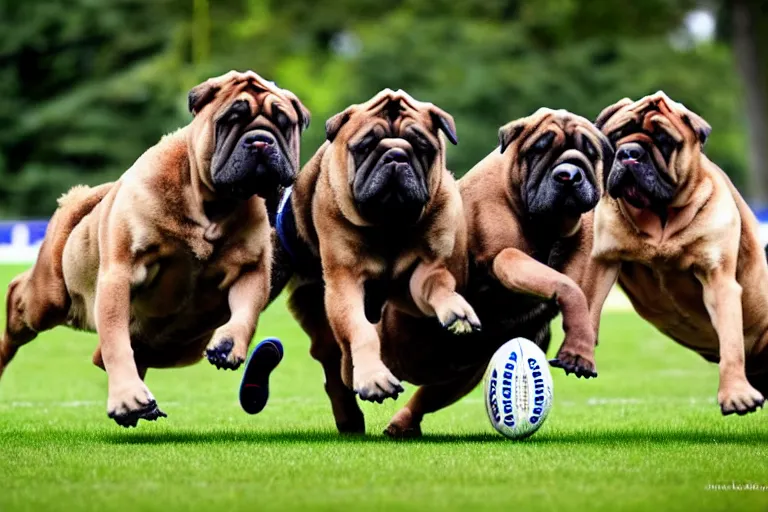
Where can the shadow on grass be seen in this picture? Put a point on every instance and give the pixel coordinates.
(321, 437)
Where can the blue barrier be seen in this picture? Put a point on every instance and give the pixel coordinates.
(20, 240)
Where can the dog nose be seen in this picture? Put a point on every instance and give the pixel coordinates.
(568, 174)
(395, 155)
(259, 140)
(630, 152)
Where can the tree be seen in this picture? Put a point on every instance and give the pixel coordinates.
(744, 23)
(86, 86)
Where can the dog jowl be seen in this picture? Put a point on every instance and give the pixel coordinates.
(170, 263)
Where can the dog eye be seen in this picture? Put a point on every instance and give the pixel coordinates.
(283, 122)
(365, 144)
(589, 150)
(622, 132)
(665, 143)
(544, 142)
(237, 113)
(421, 143)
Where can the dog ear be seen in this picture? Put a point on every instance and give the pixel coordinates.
(334, 124)
(608, 155)
(700, 127)
(443, 121)
(304, 116)
(510, 132)
(201, 95)
(608, 112)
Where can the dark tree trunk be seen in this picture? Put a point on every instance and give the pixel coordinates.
(750, 43)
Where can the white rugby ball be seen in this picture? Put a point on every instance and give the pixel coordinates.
(518, 388)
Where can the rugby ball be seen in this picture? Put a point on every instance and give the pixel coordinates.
(518, 388)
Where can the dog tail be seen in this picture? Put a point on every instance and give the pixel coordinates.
(83, 194)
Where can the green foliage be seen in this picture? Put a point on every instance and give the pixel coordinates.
(87, 85)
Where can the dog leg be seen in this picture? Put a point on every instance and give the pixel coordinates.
(98, 361)
(722, 298)
(520, 273)
(247, 297)
(345, 304)
(29, 310)
(406, 423)
(433, 289)
(595, 276)
(37, 300)
(306, 303)
(349, 418)
(129, 398)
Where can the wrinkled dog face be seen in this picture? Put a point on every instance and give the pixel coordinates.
(255, 128)
(656, 142)
(393, 153)
(557, 162)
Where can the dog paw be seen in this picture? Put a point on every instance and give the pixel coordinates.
(457, 316)
(396, 432)
(224, 353)
(578, 364)
(375, 383)
(739, 398)
(128, 404)
(403, 426)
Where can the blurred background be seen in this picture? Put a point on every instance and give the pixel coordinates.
(87, 85)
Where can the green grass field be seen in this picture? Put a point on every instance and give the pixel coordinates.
(646, 435)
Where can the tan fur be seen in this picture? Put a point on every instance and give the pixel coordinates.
(700, 277)
(140, 262)
(410, 260)
(503, 245)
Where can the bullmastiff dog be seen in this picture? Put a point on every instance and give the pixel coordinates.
(528, 214)
(172, 261)
(684, 244)
(373, 216)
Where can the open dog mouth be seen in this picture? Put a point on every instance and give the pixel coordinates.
(634, 196)
(631, 191)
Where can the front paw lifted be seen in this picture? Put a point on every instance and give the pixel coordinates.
(224, 354)
(376, 383)
(457, 316)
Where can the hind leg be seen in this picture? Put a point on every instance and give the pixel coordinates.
(406, 422)
(306, 303)
(38, 300)
(33, 305)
